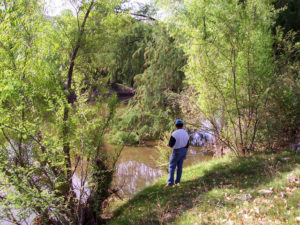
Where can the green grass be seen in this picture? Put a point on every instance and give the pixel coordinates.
(218, 192)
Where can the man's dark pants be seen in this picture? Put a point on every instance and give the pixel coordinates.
(176, 160)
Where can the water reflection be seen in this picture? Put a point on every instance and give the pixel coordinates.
(133, 175)
(136, 167)
(80, 187)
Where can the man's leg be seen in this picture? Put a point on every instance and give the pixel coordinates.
(179, 165)
(172, 166)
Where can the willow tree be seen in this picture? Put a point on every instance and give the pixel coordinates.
(50, 135)
(156, 88)
(154, 106)
(230, 65)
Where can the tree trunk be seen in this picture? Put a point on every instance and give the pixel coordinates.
(70, 97)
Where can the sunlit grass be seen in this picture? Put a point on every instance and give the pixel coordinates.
(222, 191)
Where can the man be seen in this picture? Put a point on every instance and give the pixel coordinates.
(179, 141)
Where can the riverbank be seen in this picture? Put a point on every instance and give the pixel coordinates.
(259, 189)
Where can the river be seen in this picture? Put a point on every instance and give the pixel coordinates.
(136, 167)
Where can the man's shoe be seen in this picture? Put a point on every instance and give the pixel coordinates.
(168, 185)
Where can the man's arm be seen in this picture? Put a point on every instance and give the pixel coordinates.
(172, 142)
(187, 145)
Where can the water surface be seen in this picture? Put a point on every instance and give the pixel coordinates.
(136, 167)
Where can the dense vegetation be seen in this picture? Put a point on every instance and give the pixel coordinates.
(241, 73)
(49, 130)
(230, 67)
(235, 72)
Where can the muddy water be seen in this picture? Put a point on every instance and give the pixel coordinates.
(137, 168)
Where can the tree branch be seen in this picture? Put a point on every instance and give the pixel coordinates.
(144, 16)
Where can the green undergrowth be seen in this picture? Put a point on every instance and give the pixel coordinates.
(222, 191)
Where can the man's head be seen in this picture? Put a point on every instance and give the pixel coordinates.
(179, 124)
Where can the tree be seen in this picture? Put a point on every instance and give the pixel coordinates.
(281, 123)
(289, 16)
(230, 65)
(154, 106)
(50, 134)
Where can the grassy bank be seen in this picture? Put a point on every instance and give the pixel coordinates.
(222, 191)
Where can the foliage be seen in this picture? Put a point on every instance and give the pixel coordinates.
(51, 135)
(55, 106)
(220, 191)
(163, 151)
(281, 121)
(122, 38)
(289, 16)
(128, 51)
(154, 107)
(230, 65)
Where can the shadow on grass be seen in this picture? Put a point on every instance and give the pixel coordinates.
(155, 205)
